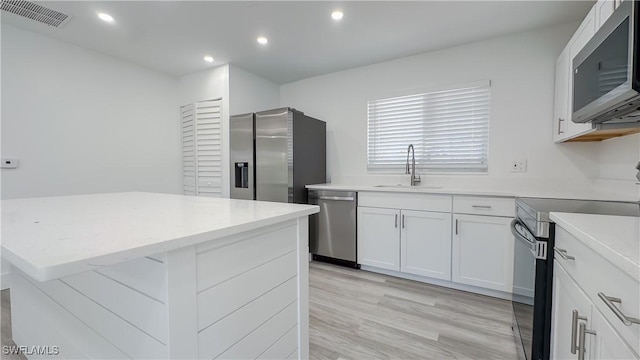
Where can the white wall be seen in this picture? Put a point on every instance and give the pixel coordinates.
(207, 85)
(241, 92)
(251, 93)
(616, 160)
(81, 122)
(521, 69)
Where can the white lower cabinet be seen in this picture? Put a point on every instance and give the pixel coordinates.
(482, 251)
(414, 235)
(379, 237)
(580, 275)
(425, 244)
(567, 300)
(587, 328)
(607, 343)
(415, 242)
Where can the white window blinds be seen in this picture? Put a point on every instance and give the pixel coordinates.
(449, 130)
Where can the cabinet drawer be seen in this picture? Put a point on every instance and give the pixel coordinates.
(594, 274)
(392, 200)
(478, 205)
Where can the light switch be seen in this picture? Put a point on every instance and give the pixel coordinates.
(9, 163)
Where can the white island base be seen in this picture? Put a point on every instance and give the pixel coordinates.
(242, 296)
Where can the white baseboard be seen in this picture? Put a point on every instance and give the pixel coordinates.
(443, 283)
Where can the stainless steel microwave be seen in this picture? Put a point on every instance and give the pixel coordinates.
(606, 82)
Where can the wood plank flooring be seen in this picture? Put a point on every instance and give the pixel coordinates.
(358, 315)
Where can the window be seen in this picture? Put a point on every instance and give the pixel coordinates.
(449, 130)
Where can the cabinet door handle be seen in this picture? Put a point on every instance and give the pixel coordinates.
(563, 254)
(609, 300)
(560, 120)
(574, 330)
(403, 221)
(396, 220)
(481, 206)
(456, 226)
(582, 348)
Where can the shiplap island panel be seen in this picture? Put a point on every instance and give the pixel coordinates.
(139, 275)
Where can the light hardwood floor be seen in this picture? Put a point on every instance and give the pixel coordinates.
(358, 315)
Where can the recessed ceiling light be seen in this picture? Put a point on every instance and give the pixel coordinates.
(105, 17)
(208, 58)
(262, 40)
(337, 15)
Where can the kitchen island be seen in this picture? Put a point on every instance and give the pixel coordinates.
(142, 275)
(596, 276)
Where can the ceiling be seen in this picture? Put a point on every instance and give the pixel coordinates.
(304, 41)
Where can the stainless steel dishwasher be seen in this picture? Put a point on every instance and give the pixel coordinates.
(333, 230)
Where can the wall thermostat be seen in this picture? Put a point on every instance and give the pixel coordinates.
(9, 163)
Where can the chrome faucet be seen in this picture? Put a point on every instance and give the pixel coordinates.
(415, 179)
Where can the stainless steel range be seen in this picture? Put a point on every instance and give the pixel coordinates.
(533, 266)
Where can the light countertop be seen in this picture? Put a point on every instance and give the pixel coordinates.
(478, 191)
(51, 237)
(616, 238)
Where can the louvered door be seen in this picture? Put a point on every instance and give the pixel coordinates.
(188, 150)
(202, 158)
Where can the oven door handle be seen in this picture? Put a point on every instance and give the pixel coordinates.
(518, 235)
(537, 248)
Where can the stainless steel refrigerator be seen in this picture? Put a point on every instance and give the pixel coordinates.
(274, 154)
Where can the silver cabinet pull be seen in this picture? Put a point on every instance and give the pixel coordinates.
(563, 254)
(481, 206)
(403, 221)
(396, 220)
(609, 300)
(560, 120)
(582, 348)
(574, 330)
(456, 226)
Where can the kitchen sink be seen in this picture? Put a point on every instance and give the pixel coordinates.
(401, 186)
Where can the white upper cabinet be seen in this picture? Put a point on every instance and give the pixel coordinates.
(603, 9)
(585, 32)
(564, 129)
(562, 89)
(426, 244)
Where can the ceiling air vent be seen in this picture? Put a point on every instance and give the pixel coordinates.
(35, 12)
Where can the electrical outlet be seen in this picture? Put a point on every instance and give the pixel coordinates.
(519, 166)
(9, 163)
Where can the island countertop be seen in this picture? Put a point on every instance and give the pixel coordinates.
(616, 238)
(499, 190)
(52, 237)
